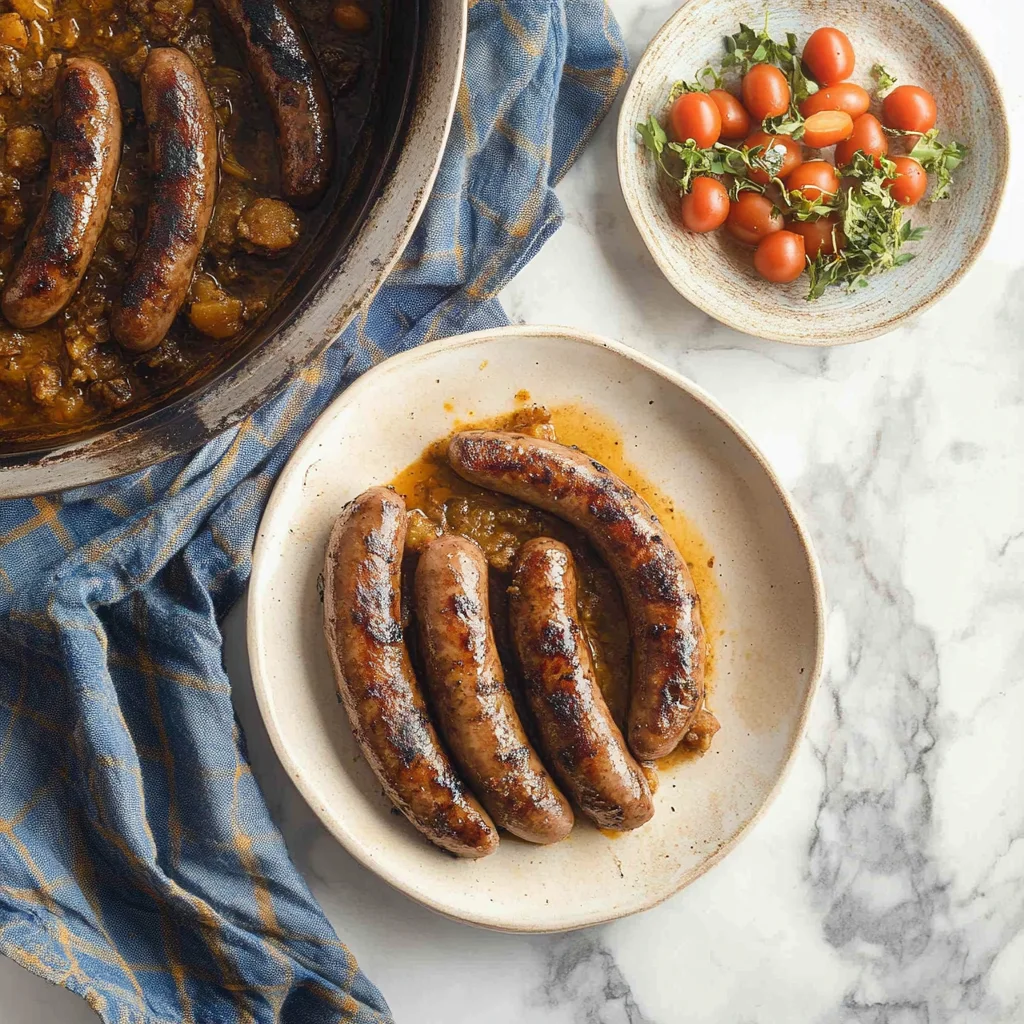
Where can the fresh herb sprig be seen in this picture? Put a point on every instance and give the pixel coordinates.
(874, 229)
(746, 48)
(682, 162)
(884, 79)
(939, 158)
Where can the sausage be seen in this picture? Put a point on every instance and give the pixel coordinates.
(183, 156)
(363, 628)
(669, 647)
(279, 57)
(83, 168)
(581, 741)
(467, 691)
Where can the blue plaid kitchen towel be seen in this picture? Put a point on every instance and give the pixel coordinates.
(138, 864)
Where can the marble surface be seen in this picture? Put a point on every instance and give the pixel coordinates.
(886, 884)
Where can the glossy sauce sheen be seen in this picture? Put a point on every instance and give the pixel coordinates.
(669, 646)
(293, 87)
(387, 711)
(83, 166)
(474, 710)
(183, 147)
(583, 744)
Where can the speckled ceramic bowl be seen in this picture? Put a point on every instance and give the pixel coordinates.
(768, 623)
(717, 274)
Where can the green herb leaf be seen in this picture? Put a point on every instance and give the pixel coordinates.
(874, 229)
(884, 80)
(653, 135)
(939, 158)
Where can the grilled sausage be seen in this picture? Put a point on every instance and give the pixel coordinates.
(362, 624)
(279, 57)
(474, 709)
(669, 647)
(83, 168)
(183, 155)
(582, 743)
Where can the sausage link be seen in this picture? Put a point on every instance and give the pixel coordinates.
(83, 168)
(669, 648)
(466, 686)
(183, 156)
(583, 744)
(279, 57)
(363, 628)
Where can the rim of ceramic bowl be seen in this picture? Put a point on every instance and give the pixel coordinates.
(625, 151)
(374, 378)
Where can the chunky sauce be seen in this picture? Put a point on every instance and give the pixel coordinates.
(69, 372)
(441, 501)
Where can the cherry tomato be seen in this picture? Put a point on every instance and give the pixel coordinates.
(827, 128)
(765, 92)
(752, 217)
(815, 180)
(706, 205)
(911, 181)
(735, 120)
(818, 235)
(867, 137)
(695, 116)
(794, 154)
(829, 56)
(781, 257)
(910, 108)
(845, 96)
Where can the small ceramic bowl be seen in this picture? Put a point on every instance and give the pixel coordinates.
(921, 43)
(767, 624)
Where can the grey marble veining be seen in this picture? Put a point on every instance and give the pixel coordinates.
(886, 883)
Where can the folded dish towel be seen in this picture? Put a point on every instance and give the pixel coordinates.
(138, 864)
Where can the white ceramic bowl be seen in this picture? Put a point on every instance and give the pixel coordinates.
(921, 43)
(767, 659)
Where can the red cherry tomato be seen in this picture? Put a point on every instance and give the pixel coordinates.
(845, 96)
(815, 180)
(820, 236)
(781, 257)
(735, 120)
(752, 217)
(792, 159)
(765, 92)
(911, 181)
(829, 56)
(867, 137)
(706, 205)
(910, 109)
(827, 128)
(695, 116)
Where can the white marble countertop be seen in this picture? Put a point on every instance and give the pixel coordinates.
(886, 883)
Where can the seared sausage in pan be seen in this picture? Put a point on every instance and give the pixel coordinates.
(279, 57)
(183, 154)
(83, 169)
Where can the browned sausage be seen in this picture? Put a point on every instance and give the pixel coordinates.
(83, 168)
(183, 157)
(669, 647)
(466, 686)
(583, 744)
(362, 624)
(279, 57)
